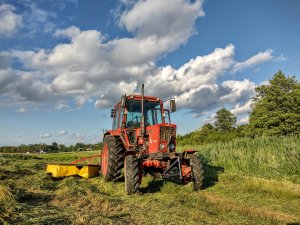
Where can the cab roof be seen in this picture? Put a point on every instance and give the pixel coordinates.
(139, 98)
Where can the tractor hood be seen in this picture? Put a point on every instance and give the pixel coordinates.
(160, 136)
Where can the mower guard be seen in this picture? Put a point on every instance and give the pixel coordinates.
(58, 170)
(65, 170)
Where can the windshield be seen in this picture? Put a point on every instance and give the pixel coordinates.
(152, 113)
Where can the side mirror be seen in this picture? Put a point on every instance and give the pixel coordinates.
(112, 113)
(172, 105)
(123, 101)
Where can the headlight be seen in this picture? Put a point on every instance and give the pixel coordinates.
(162, 146)
(171, 147)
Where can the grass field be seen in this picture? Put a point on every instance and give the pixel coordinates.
(248, 182)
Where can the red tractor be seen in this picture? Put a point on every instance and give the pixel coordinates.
(143, 140)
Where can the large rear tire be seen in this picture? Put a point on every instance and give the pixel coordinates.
(197, 172)
(112, 159)
(132, 175)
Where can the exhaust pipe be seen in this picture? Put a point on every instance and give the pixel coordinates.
(143, 130)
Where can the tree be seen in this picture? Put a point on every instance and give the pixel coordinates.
(79, 146)
(276, 107)
(225, 120)
(54, 147)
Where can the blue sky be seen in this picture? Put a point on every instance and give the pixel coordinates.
(64, 64)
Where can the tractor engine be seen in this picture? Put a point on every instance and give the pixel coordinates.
(161, 138)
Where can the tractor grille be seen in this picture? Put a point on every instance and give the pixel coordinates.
(167, 132)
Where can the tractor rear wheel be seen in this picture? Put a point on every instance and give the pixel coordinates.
(112, 159)
(132, 174)
(197, 171)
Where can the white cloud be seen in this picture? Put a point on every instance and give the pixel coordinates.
(210, 119)
(241, 109)
(70, 32)
(7, 78)
(198, 75)
(21, 110)
(45, 135)
(62, 133)
(62, 106)
(194, 84)
(9, 21)
(240, 90)
(145, 18)
(244, 120)
(5, 60)
(36, 19)
(281, 58)
(78, 137)
(159, 27)
(88, 65)
(255, 60)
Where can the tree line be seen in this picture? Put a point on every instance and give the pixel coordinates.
(53, 148)
(275, 112)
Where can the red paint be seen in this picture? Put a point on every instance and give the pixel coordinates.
(186, 172)
(104, 159)
(154, 140)
(140, 141)
(89, 159)
(154, 163)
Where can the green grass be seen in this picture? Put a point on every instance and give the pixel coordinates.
(272, 158)
(235, 193)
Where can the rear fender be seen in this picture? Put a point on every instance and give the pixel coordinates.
(112, 132)
(116, 134)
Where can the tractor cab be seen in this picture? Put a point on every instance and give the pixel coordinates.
(144, 124)
(129, 115)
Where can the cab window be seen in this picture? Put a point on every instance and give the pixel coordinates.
(152, 113)
(120, 117)
(115, 121)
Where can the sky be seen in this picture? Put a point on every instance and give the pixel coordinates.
(65, 63)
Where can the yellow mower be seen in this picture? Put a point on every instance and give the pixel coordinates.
(75, 168)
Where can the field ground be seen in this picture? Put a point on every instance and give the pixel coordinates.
(236, 191)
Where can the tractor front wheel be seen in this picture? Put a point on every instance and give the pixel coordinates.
(197, 172)
(132, 175)
(112, 161)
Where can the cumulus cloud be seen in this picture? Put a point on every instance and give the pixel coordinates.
(255, 60)
(7, 78)
(5, 60)
(88, 67)
(241, 109)
(145, 18)
(239, 90)
(24, 87)
(9, 21)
